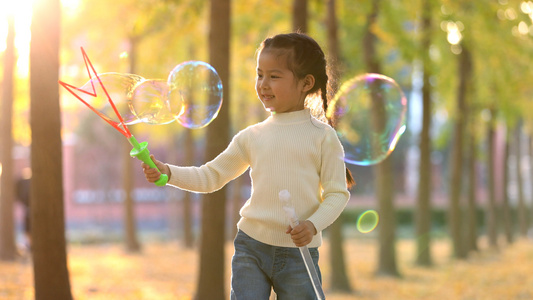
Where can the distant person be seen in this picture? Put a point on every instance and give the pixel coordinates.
(290, 150)
(23, 196)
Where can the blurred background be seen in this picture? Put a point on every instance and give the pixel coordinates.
(460, 175)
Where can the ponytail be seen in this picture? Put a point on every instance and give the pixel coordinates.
(350, 181)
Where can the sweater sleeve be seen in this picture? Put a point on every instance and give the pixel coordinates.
(212, 176)
(335, 193)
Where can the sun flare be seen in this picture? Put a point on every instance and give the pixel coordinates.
(21, 10)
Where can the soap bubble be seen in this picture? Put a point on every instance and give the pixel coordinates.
(369, 117)
(119, 87)
(149, 102)
(367, 221)
(192, 95)
(195, 95)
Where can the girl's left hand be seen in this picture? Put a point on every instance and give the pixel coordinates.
(303, 233)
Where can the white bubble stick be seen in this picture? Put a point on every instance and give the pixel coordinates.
(285, 198)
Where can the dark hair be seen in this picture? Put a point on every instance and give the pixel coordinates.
(305, 57)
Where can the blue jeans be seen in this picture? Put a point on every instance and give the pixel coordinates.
(258, 267)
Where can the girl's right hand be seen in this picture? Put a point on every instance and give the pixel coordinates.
(153, 174)
(303, 233)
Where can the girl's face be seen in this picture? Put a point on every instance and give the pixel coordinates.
(276, 86)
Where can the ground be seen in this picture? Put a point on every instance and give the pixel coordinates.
(168, 271)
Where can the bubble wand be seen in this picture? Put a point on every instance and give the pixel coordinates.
(140, 150)
(285, 198)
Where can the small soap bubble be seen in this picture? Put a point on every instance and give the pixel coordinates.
(369, 112)
(195, 94)
(367, 221)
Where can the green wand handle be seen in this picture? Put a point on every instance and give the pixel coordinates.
(140, 151)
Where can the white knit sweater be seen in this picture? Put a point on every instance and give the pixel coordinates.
(291, 151)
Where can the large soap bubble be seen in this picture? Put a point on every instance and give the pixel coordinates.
(149, 102)
(195, 94)
(369, 113)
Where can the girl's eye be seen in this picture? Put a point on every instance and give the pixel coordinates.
(259, 76)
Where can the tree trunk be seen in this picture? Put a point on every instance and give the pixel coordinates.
(530, 140)
(188, 238)
(491, 207)
(507, 217)
(211, 276)
(471, 212)
(8, 248)
(383, 181)
(522, 207)
(131, 242)
(51, 277)
(423, 203)
(387, 237)
(299, 15)
(455, 210)
(339, 276)
(333, 41)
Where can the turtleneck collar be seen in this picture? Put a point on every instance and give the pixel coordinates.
(291, 117)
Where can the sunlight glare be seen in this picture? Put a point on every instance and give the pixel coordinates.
(70, 6)
(21, 10)
(526, 7)
(454, 32)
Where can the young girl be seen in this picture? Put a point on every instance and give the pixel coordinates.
(290, 150)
